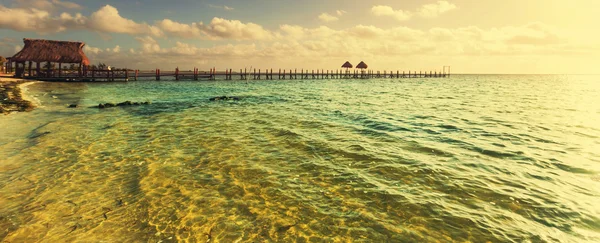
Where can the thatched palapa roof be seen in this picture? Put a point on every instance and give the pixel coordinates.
(51, 51)
(347, 65)
(362, 65)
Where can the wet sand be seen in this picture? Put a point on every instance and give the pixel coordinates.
(12, 97)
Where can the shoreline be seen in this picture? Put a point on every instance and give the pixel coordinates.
(13, 95)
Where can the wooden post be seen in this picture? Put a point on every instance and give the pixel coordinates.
(79, 70)
(29, 69)
(136, 74)
(48, 70)
(126, 74)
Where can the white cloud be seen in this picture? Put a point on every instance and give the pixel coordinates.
(325, 17)
(435, 9)
(425, 11)
(65, 4)
(224, 7)
(382, 48)
(217, 29)
(47, 5)
(148, 45)
(177, 29)
(39, 21)
(400, 15)
(107, 19)
(88, 49)
(234, 29)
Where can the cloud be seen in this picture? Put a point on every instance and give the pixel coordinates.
(148, 44)
(381, 10)
(39, 21)
(217, 29)
(234, 29)
(224, 7)
(425, 11)
(325, 17)
(107, 19)
(47, 5)
(91, 50)
(8, 40)
(395, 48)
(177, 29)
(65, 4)
(435, 9)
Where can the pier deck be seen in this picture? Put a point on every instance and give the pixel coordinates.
(229, 74)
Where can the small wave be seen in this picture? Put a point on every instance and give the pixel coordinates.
(571, 169)
(501, 155)
(416, 147)
(449, 127)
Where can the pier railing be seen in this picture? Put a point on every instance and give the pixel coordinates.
(227, 74)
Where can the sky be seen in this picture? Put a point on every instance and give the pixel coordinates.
(471, 36)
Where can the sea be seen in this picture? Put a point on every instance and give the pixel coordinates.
(469, 158)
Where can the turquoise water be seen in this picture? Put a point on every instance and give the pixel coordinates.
(500, 158)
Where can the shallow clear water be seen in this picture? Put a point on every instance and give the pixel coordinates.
(470, 158)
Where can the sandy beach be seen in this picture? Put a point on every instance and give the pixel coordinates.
(12, 95)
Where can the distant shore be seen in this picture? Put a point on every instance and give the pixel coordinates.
(12, 98)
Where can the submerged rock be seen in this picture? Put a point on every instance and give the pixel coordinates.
(126, 103)
(122, 104)
(73, 106)
(218, 98)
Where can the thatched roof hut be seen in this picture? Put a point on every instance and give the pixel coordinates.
(51, 51)
(362, 65)
(347, 65)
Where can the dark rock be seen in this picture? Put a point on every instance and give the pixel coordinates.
(218, 98)
(122, 104)
(73, 106)
(126, 103)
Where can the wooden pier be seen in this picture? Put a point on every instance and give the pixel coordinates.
(214, 74)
